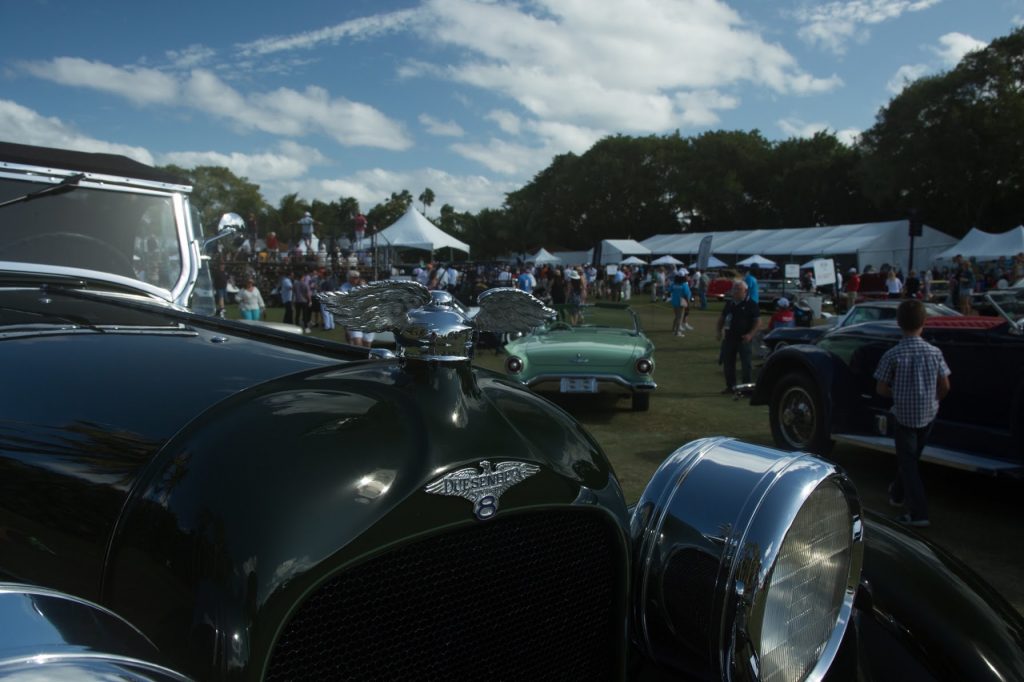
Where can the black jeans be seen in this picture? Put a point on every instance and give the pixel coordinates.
(731, 347)
(908, 486)
(289, 312)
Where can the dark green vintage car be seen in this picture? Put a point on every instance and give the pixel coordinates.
(187, 497)
(600, 347)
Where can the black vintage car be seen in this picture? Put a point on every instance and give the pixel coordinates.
(868, 311)
(183, 496)
(821, 393)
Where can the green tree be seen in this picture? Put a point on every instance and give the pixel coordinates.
(952, 145)
(426, 198)
(216, 191)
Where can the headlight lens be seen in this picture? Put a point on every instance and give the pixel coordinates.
(644, 365)
(514, 365)
(805, 593)
(747, 561)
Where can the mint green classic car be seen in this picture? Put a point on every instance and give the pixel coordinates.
(600, 346)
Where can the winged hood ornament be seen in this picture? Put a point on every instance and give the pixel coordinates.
(430, 327)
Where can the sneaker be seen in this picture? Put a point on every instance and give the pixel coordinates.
(908, 520)
(689, 327)
(680, 334)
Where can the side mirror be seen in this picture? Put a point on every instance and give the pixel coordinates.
(229, 224)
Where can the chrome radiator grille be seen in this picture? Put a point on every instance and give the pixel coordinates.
(530, 596)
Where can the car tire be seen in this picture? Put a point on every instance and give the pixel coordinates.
(641, 402)
(797, 415)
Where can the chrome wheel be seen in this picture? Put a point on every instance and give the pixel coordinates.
(797, 417)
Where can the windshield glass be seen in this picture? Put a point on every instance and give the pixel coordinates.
(127, 233)
(605, 315)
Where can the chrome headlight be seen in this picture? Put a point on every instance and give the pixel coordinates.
(514, 365)
(747, 560)
(644, 365)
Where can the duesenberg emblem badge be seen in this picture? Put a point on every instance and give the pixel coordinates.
(483, 486)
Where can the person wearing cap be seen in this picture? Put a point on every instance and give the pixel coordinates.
(852, 288)
(306, 222)
(783, 315)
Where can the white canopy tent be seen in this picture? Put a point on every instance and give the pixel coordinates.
(616, 250)
(633, 260)
(413, 231)
(666, 260)
(987, 245)
(861, 244)
(757, 261)
(713, 262)
(543, 257)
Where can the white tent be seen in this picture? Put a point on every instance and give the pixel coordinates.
(758, 261)
(615, 250)
(575, 257)
(413, 231)
(861, 244)
(987, 245)
(543, 257)
(712, 263)
(633, 260)
(666, 260)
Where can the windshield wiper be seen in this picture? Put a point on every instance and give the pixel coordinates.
(66, 185)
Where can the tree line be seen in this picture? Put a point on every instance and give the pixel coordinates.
(949, 148)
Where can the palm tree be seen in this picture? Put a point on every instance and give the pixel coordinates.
(427, 197)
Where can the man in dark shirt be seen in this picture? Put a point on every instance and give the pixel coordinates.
(737, 325)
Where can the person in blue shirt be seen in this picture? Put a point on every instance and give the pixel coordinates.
(680, 296)
(751, 282)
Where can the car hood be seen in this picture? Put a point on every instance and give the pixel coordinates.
(597, 347)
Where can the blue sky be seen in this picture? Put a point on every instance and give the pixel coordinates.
(468, 97)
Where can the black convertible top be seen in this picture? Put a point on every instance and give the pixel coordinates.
(106, 164)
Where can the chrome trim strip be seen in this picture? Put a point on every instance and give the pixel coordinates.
(19, 171)
(42, 659)
(937, 455)
(610, 379)
(21, 589)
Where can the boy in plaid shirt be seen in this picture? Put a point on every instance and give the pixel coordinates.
(915, 375)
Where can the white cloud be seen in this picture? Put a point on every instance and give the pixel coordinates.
(630, 65)
(283, 111)
(28, 127)
(506, 120)
(954, 46)
(1017, 20)
(370, 187)
(441, 128)
(356, 29)
(289, 161)
(795, 127)
(904, 76)
(517, 159)
(190, 57)
(140, 85)
(699, 106)
(834, 24)
(629, 62)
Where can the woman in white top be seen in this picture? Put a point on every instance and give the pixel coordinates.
(250, 301)
(893, 285)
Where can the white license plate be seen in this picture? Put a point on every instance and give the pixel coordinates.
(579, 385)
